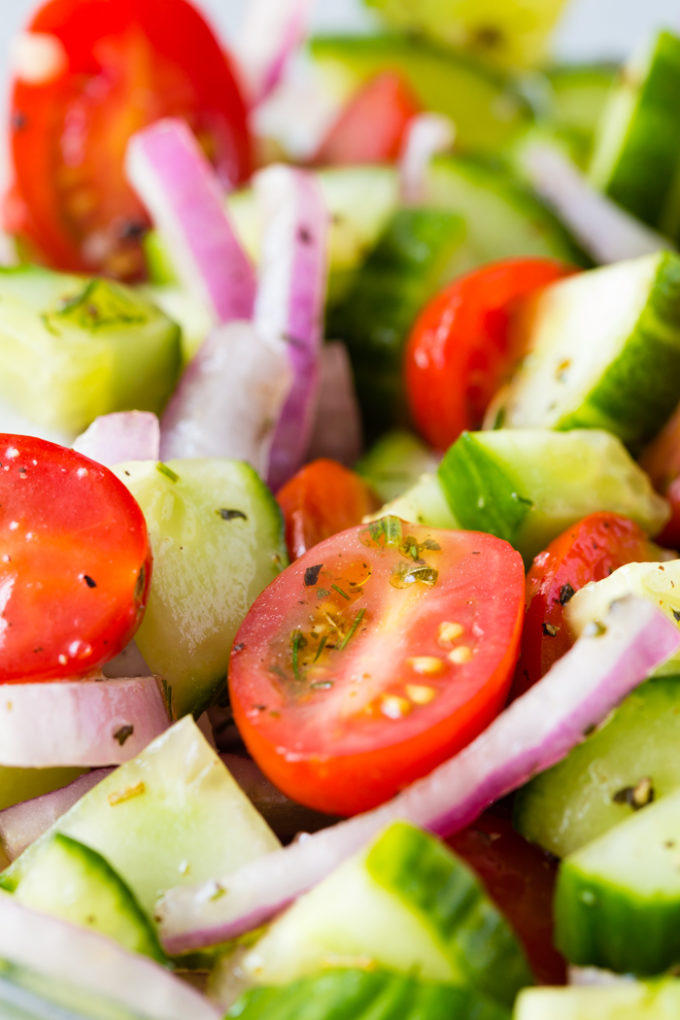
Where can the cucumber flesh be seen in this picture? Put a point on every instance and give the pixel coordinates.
(603, 780)
(617, 898)
(629, 1000)
(423, 503)
(603, 351)
(217, 540)
(406, 903)
(190, 315)
(578, 94)
(70, 880)
(395, 462)
(528, 485)
(172, 816)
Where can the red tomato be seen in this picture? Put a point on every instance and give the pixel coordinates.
(461, 348)
(661, 461)
(520, 879)
(587, 551)
(371, 127)
(374, 657)
(76, 563)
(125, 63)
(321, 499)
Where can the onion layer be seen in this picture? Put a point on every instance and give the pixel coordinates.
(120, 436)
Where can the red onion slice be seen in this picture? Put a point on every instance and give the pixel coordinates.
(605, 230)
(427, 135)
(87, 960)
(120, 436)
(290, 301)
(336, 432)
(271, 32)
(228, 400)
(536, 731)
(82, 723)
(22, 824)
(174, 180)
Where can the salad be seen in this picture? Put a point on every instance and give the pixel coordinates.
(340, 496)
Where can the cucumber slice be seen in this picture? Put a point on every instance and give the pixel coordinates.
(504, 218)
(637, 158)
(486, 106)
(618, 898)
(365, 995)
(406, 903)
(70, 880)
(423, 503)
(418, 252)
(511, 34)
(629, 1000)
(395, 462)
(604, 351)
(217, 540)
(528, 485)
(172, 816)
(578, 94)
(192, 316)
(601, 782)
(72, 349)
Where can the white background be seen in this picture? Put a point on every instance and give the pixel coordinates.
(591, 27)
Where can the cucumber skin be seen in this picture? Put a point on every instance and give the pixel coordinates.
(474, 931)
(654, 385)
(364, 995)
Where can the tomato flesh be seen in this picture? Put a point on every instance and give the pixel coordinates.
(374, 657)
(321, 499)
(587, 551)
(462, 349)
(127, 63)
(372, 126)
(75, 564)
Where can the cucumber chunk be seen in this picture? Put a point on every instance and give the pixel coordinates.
(604, 351)
(629, 1000)
(192, 316)
(617, 899)
(607, 777)
(528, 485)
(73, 348)
(406, 903)
(172, 816)
(70, 880)
(418, 252)
(503, 217)
(217, 540)
(395, 462)
(637, 158)
(423, 503)
(486, 106)
(578, 94)
(365, 995)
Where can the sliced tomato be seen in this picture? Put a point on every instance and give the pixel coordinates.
(75, 564)
(372, 126)
(588, 551)
(116, 66)
(374, 657)
(321, 499)
(520, 879)
(462, 348)
(661, 461)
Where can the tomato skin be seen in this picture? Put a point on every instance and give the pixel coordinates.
(76, 563)
(322, 499)
(461, 348)
(520, 879)
(372, 126)
(661, 461)
(341, 680)
(588, 551)
(128, 63)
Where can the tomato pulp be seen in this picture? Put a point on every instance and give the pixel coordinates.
(75, 563)
(374, 657)
(110, 68)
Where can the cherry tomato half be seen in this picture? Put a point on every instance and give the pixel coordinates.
(321, 499)
(117, 66)
(461, 348)
(661, 461)
(75, 564)
(588, 551)
(371, 127)
(374, 657)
